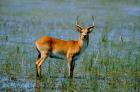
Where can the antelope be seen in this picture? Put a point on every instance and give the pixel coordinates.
(62, 49)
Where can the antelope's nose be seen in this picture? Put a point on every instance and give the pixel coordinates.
(85, 36)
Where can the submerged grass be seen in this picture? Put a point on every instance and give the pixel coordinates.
(110, 64)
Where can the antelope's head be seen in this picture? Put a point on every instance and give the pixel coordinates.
(84, 32)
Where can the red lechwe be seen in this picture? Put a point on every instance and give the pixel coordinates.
(58, 48)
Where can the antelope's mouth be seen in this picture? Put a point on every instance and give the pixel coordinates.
(85, 37)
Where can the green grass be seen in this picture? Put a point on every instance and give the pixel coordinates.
(110, 63)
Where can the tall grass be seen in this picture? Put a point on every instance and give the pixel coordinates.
(110, 63)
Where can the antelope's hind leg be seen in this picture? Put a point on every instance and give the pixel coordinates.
(39, 62)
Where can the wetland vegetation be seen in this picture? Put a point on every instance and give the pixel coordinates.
(111, 62)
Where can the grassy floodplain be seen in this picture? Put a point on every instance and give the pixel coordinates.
(111, 63)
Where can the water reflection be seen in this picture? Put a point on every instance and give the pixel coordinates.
(113, 66)
(38, 86)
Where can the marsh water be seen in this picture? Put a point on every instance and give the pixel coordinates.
(111, 63)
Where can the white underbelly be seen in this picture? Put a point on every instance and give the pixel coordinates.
(57, 55)
(62, 56)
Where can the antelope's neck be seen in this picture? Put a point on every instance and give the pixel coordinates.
(83, 44)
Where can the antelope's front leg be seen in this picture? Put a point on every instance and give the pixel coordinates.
(71, 65)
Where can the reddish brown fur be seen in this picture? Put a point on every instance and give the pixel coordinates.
(47, 43)
(70, 49)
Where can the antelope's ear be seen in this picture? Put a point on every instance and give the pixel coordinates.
(91, 28)
(78, 28)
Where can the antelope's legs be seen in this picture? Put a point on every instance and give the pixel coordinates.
(39, 62)
(71, 65)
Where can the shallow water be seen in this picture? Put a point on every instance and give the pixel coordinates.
(110, 63)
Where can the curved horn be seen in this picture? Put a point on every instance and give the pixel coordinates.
(79, 28)
(93, 24)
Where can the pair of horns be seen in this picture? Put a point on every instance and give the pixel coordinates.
(79, 27)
